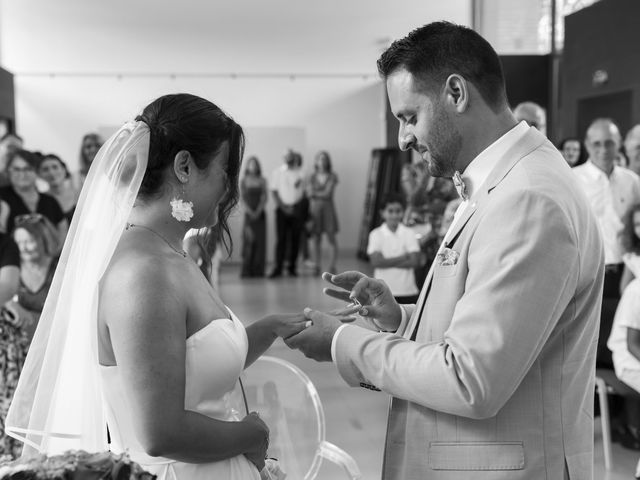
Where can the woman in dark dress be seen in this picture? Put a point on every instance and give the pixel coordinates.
(253, 194)
(321, 186)
(14, 340)
(23, 197)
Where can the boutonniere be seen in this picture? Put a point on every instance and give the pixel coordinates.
(447, 257)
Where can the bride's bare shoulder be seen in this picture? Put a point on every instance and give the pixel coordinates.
(136, 270)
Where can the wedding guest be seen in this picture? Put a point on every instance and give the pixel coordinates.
(630, 240)
(632, 149)
(611, 191)
(8, 144)
(13, 339)
(91, 143)
(324, 219)
(253, 195)
(572, 151)
(39, 246)
(55, 172)
(288, 190)
(533, 114)
(492, 372)
(394, 251)
(133, 337)
(23, 197)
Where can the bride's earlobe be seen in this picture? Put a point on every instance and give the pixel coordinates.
(182, 165)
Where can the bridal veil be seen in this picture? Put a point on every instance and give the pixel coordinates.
(58, 402)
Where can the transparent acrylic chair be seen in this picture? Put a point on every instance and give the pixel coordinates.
(288, 402)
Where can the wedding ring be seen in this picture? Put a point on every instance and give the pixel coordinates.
(308, 323)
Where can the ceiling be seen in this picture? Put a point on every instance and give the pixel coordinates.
(204, 37)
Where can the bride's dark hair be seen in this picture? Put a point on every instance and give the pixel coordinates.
(187, 122)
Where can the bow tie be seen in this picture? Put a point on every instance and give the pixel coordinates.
(461, 188)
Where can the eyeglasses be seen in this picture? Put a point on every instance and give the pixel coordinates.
(28, 218)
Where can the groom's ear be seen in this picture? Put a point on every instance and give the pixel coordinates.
(183, 165)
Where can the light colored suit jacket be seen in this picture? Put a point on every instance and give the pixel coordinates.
(499, 381)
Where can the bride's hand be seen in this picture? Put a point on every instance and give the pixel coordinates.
(258, 454)
(285, 325)
(378, 304)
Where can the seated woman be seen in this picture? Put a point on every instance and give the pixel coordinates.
(55, 172)
(23, 197)
(132, 334)
(38, 245)
(13, 340)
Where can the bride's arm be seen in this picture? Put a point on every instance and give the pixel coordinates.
(146, 319)
(262, 333)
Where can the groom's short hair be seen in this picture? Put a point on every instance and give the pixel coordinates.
(433, 52)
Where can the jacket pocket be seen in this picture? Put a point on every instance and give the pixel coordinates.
(445, 270)
(476, 455)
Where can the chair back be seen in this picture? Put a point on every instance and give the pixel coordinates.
(289, 403)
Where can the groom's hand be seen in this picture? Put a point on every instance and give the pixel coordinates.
(315, 340)
(378, 304)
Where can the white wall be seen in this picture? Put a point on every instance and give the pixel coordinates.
(342, 115)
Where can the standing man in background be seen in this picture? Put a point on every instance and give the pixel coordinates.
(533, 114)
(611, 190)
(287, 187)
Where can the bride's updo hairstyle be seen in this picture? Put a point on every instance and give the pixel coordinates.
(187, 122)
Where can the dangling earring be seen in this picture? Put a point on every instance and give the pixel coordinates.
(181, 210)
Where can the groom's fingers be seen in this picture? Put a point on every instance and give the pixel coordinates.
(339, 294)
(344, 280)
(362, 290)
(346, 311)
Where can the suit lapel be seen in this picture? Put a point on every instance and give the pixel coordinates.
(532, 140)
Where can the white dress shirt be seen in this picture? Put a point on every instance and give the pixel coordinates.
(473, 176)
(610, 197)
(401, 280)
(289, 183)
(480, 167)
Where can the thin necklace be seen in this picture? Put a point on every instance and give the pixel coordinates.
(181, 252)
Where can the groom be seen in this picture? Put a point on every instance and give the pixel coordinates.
(491, 373)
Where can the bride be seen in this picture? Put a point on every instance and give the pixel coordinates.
(133, 343)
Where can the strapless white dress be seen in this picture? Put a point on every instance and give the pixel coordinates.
(215, 358)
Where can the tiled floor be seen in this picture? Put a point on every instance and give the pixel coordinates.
(355, 417)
